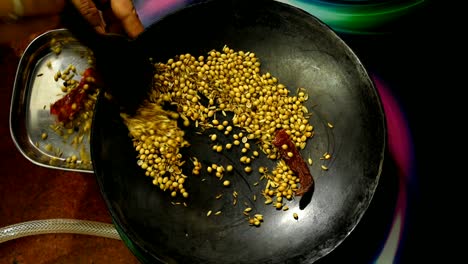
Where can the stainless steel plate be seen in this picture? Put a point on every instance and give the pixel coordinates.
(35, 90)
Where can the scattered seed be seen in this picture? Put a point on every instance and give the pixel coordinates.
(213, 137)
(325, 168)
(49, 147)
(57, 75)
(259, 217)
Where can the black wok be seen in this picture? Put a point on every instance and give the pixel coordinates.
(302, 52)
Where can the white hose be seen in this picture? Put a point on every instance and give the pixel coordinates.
(49, 226)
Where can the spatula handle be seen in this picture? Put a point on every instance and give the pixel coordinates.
(122, 67)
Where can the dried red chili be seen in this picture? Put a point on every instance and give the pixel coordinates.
(294, 161)
(66, 107)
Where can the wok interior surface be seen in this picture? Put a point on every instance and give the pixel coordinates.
(301, 52)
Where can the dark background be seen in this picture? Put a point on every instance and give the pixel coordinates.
(410, 59)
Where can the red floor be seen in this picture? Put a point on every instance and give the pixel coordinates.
(29, 192)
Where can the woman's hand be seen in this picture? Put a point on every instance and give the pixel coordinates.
(118, 14)
(22, 18)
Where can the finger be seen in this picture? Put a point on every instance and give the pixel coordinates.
(26, 27)
(32, 7)
(113, 24)
(126, 13)
(89, 11)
